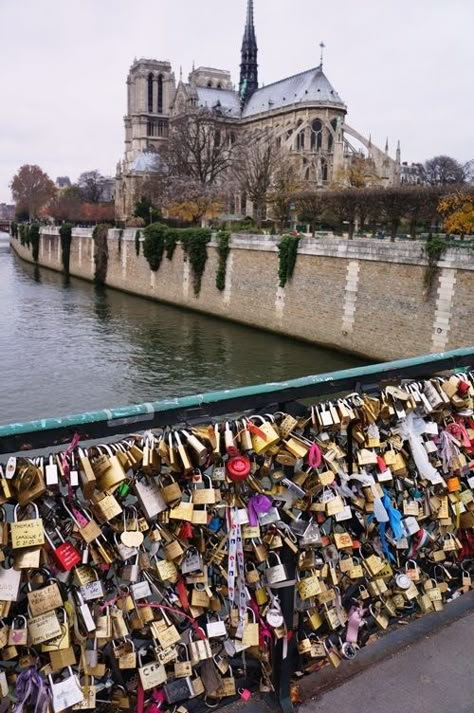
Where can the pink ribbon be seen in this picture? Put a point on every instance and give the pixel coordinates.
(458, 430)
(264, 631)
(315, 456)
(257, 504)
(353, 624)
(65, 460)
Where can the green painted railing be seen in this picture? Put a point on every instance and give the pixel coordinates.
(107, 422)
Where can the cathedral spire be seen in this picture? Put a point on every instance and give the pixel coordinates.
(248, 64)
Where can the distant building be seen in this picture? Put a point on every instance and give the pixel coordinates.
(412, 174)
(7, 211)
(303, 114)
(108, 190)
(63, 182)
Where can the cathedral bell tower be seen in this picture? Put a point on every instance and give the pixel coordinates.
(248, 64)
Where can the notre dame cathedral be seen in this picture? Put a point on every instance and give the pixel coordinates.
(302, 113)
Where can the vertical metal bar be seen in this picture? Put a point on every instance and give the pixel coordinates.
(283, 665)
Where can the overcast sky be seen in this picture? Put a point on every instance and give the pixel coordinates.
(403, 67)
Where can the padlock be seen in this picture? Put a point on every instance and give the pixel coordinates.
(379, 617)
(26, 533)
(47, 597)
(87, 527)
(18, 634)
(192, 561)
(308, 586)
(89, 692)
(63, 641)
(150, 497)
(84, 613)
(112, 472)
(51, 473)
(179, 690)
(151, 674)
(91, 587)
(228, 687)
(65, 693)
(131, 570)
(65, 553)
(264, 435)
(276, 573)
(332, 654)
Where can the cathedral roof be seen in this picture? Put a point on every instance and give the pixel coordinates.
(227, 100)
(311, 86)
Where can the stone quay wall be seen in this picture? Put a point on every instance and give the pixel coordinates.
(362, 296)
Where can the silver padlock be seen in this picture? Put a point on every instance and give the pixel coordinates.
(278, 572)
(85, 613)
(215, 628)
(92, 590)
(192, 561)
(131, 571)
(51, 472)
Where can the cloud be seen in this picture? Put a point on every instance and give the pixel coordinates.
(402, 67)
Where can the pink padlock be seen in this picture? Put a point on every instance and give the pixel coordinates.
(245, 694)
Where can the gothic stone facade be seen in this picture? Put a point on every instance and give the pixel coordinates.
(302, 113)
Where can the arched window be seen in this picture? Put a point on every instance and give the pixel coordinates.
(324, 170)
(209, 84)
(316, 135)
(160, 94)
(300, 141)
(150, 92)
(331, 134)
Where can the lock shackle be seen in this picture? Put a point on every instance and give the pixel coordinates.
(106, 447)
(25, 507)
(68, 668)
(31, 573)
(23, 621)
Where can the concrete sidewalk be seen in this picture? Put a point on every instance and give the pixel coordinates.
(426, 666)
(435, 674)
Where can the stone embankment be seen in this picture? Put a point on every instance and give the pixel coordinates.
(364, 296)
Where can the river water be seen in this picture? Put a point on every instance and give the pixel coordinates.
(71, 347)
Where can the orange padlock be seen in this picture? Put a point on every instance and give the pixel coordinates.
(453, 484)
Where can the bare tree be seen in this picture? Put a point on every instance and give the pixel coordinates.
(200, 147)
(309, 205)
(254, 167)
(31, 189)
(444, 170)
(285, 184)
(91, 186)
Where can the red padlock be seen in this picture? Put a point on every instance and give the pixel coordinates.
(238, 468)
(65, 553)
(463, 388)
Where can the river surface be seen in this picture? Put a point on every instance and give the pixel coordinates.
(71, 347)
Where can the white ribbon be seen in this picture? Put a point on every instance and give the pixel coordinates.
(236, 568)
(411, 429)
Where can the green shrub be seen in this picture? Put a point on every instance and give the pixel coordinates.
(65, 231)
(194, 242)
(34, 240)
(154, 245)
(288, 251)
(223, 250)
(101, 253)
(161, 240)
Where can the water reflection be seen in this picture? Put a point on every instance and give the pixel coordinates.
(70, 346)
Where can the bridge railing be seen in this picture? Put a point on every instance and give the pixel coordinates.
(27, 435)
(91, 425)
